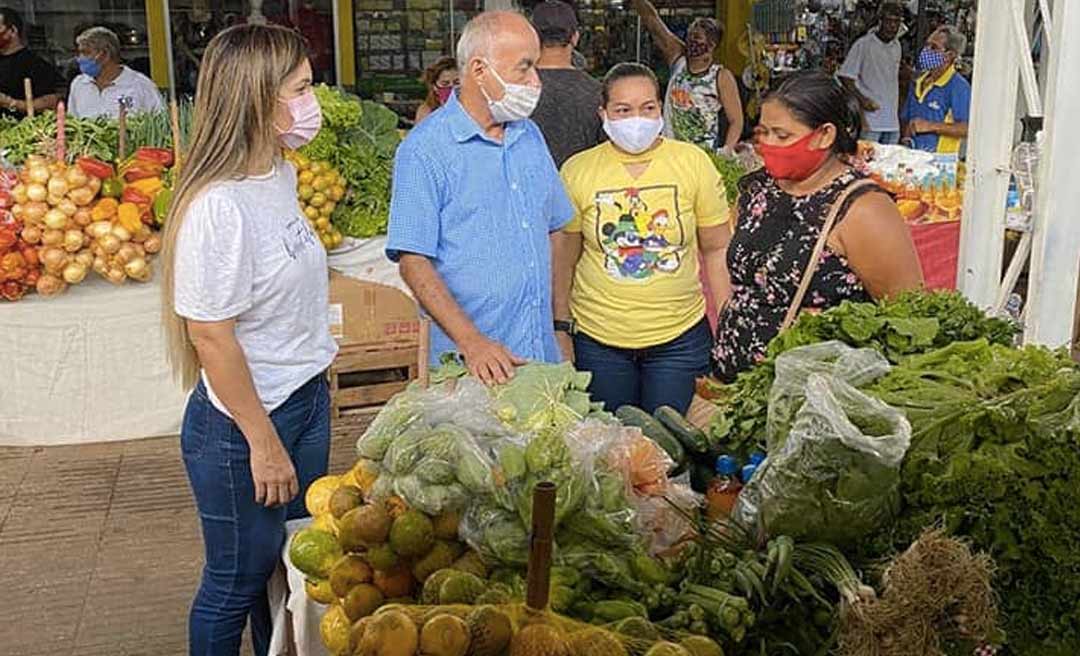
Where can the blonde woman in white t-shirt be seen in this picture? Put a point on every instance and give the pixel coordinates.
(246, 314)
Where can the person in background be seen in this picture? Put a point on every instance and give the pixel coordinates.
(104, 82)
(475, 200)
(938, 106)
(871, 71)
(702, 104)
(566, 114)
(441, 78)
(245, 307)
(627, 283)
(809, 127)
(18, 63)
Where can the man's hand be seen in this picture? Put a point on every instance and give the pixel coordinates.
(921, 126)
(566, 345)
(273, 472)
(489, 361)
(7, 102)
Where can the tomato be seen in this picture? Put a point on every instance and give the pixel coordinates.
(95, 167)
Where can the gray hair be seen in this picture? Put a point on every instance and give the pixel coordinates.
(478, 37)
(955, 40)
(100, 39)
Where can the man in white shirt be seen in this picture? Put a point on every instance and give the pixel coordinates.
(104, 82)
(872, 71)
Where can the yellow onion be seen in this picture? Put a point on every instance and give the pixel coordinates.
(138, 269)
(99, 229)
(152, 244)
(57, 168)
(17, 211)
(67, 207)
(53, 259)
(110, 244)
(57, 186)
(82, 196)
(52, 237)
(141, 235)
(49, 285)
(126, 254)
(82, 217)
(36, 192)
(76, 178)
(74, 273)
(55, 219)
(34, 211)
(100, 265)
(39, 173)
(94, 185)
(53, 201)
(31, 235)
(115, 275)
(73, 241)
(120, 232)
(85, 258)
(18, 193)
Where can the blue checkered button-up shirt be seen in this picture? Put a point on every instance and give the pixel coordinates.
(482, 211)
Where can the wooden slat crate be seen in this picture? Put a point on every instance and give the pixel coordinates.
(366, 376)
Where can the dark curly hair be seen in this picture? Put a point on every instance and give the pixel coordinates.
(816, 98)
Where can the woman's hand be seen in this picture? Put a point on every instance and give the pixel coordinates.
(272, 471)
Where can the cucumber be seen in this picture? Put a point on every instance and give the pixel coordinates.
(655, 431)
(689, 435)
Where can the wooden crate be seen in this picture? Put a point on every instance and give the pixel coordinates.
(367, 376)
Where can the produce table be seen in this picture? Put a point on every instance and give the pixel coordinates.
(938, 245)
(89, 366)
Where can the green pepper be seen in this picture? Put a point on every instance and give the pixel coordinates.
(112, 188)
(160, 206)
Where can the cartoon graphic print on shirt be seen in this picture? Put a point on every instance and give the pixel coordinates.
(640, 231)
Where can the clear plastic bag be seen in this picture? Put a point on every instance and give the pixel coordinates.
(857, 367)
(496, 534)
(431, 499)
(836, 478)
(664, 525)
(404, 412)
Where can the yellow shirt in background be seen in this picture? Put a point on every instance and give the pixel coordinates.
(637, 282)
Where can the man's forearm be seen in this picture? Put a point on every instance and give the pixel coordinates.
(565, 253)
(40, 104)
(954, 130)
(434, 296)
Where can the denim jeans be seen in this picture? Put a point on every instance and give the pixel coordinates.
(647, 378)
(890, 138)
(243, 539)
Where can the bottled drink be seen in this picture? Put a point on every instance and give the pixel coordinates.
(723, 490)
(1025, 165)
(748, 473)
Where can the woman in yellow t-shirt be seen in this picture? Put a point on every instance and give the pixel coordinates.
(628, 300)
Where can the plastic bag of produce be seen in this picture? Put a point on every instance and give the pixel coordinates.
(663, 525)
(464, 403)
(836, 478)
(496, 534)
(430, 499)
(404, 411)
(857, 367)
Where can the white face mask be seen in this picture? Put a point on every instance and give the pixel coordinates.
(635, 134)
(517, 103)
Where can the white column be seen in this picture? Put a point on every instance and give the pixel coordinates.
(1055, 260)
(990, 132)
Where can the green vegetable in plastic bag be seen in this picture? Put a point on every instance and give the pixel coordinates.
(512, 461)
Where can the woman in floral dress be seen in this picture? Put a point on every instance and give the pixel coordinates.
(809, 127)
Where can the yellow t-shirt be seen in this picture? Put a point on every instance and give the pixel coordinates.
(637, 282)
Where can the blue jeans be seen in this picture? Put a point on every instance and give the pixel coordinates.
(243, 539)
(890, 138)
(647, 378)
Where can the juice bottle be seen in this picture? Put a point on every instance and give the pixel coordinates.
(723, 490)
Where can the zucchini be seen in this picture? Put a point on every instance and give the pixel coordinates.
(689, 435)
(655, 431)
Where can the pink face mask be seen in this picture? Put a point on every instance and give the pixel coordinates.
(443, 94)
(306, 121)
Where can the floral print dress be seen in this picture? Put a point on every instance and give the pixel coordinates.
(774, 238)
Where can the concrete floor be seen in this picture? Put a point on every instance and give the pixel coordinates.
(100, 549)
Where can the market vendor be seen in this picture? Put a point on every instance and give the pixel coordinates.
(702, 104)
(475, 199)
(627, 283)
(809, 127)
(19, 63)
(938, 106)
(105, 82)
(245, 293)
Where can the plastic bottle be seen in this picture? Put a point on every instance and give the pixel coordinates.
(1025, 164)
(756, 458)
(724, 489)
(748, 473)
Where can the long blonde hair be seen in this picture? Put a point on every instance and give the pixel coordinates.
(241, 73)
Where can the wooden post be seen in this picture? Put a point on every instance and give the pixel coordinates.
(174, 120)
(538, 579)
(28, 91)
(121, 130)
(424, 345)
(61, 132)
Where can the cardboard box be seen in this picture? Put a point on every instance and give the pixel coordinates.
(366, 313)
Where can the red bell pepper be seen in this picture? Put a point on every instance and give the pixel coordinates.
(8, 236)
(163, 156)
(6, 201)
(141, 170)
(134, 196)
(95, 167)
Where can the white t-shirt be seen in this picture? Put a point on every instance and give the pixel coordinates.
(86, 100)
(245, 251)
(875, 67)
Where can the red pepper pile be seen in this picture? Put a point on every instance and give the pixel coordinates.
(19, 265)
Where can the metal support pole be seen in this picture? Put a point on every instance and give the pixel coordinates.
(1055, 260)
(991, 131)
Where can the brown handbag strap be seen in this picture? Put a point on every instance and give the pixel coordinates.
(819, 248)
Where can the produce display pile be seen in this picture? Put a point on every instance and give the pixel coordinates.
(431, 524)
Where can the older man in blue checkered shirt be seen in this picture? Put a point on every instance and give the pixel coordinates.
(477, 203)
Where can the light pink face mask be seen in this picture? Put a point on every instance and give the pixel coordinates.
(306, 121)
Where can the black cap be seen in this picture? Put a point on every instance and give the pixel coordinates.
(555, 21)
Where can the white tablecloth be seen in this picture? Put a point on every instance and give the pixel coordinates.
(89, 366)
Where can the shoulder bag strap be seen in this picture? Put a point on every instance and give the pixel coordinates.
(819, 248)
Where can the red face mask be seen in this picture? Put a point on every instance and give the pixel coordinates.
(796, 161)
